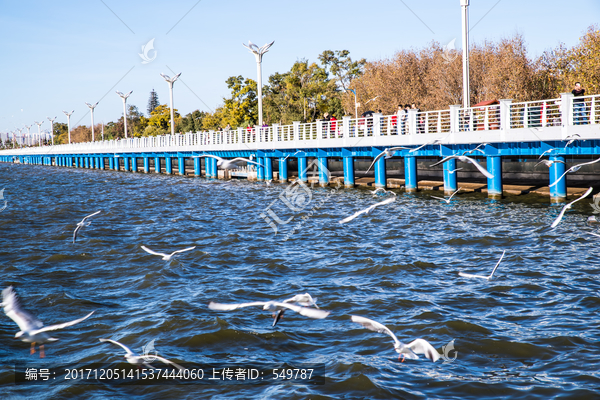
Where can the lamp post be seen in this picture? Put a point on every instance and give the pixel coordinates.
(465, 45)
(52, 128)
(68, 114)
(258, 53)
(39, 132)
(355, 103)
(28, 134)
(170, 81)
(92, 110)
(20, 130)
(124, 97)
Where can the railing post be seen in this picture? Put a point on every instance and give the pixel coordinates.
(454, 118)
(276, 137)
(377, 124)
(566, 108)
(505, 105)
(319, 124)
(593, 111)
(346, 128)
(412, 121)
(525, 119)
(296, 127)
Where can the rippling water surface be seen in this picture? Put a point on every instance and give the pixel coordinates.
(532, 332)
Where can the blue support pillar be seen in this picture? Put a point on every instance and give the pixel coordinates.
(450, 183)
(181, 165)
(111, 163)
(126, 163)
(558, 192)
(146, 164)
(96, 162)
(76, 159)
(260, 169)
(208, 167)
(133, 164)
(197, 164)
(494, 167)
(87, 162)
(102, 163)
(157, 165)
(323, 172)
(268, 163)
(302, 169)
(214, 168)
(283, 170)
(380, 177)
(168, 165)
(410, 174)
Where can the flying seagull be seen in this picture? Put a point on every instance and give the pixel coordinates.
(367, 210)
(465, 159)
(133, 358)
(481, 276)
(571, 139)
(436, 141)
(567, 206)
(547, 151)
(291, 155)
(388, 153)
(166, 257)
(229, 164)
(476, 149)
(410, 351)
(82, 224)
(548, 163)
(574, 168)
(273, 306)
(32, 329)
(454, 170)
(382, 190)
(304, 300)
(448, 199)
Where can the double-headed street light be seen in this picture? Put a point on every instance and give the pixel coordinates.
(28, 127)
(92, 110)
(68, 114)
(170, 81)
(39, 131)
(124, 97)
(51, 128)
(258, 53)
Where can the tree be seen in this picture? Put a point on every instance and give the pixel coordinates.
(152, 102)
(242, 108)
(192, 122)
(341, 66)
(161, 117)
(60, 133)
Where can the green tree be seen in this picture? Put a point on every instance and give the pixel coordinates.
(60, 133)
(152, 102)
(340, 64)
(309, 89)
(242, 108)
(161, 117)
(192, 122)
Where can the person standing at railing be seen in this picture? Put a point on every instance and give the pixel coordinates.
(578, 104)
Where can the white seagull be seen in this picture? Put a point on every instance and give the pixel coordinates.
(571, 139)
(436, 141)
(32, 329)
(166, 257)
(410, 351)
(291, 155)
(465, 159)
(304, 300)
(273, 306)
(382, 190)
(548, 163)
(133, 358)
(454, 170)
(448, 199)
(367, 210)
(82, 224)
(388, 153)
(567, 206)
(547, 151)
(476, 149)
(574, 168)
(481, 276)
(229, 164)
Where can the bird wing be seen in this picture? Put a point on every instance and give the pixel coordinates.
(12, 308)
(91, 215)
(566, 172)
(472, 276)
(399, 148)
(440, 198)
(75, 232)
(240, 159)
(443, 161)
(422, 346)
(375, 160)
(147, 250)
(479, 167)
(64, 325)
(356, 214)
(164, 360)
(498, 263)
(231, 307)
(540, 163)
(374, 326)
(209, 155)
(181, 251)
(452, 195)
(127, 349)
(562, 212)
(306, 311)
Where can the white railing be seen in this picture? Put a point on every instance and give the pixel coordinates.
(378, 129)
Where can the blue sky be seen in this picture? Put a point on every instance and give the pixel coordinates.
(57, 55)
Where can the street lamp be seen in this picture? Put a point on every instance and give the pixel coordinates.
(355, 103)
(20, 130)
(28, 134)
(51, 128)
(465, 45)
(39, 132)
(124, 97)
(258, 53)
(171, 81)
(92, 110)
(68, 114)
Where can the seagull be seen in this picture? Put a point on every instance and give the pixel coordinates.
(571, 139)
(304, 300)
(448, 199)
(481, 276)
(273, 306)
(166, 257)
(476, 149)
(32, 329)
(548, 163)
(593, 220)
(547, 151)
(454, 170)
(388, 153)
(229, 164)
(367, 210)
(410, 351)
(374, 192)
(82, 224)
(133, 358)
(426, 144)
(465, 159)
(566, 207)
(291, 155)
(574, 168)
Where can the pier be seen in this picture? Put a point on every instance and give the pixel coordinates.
(495, 135)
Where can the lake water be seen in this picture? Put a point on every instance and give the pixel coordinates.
(532, 332)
